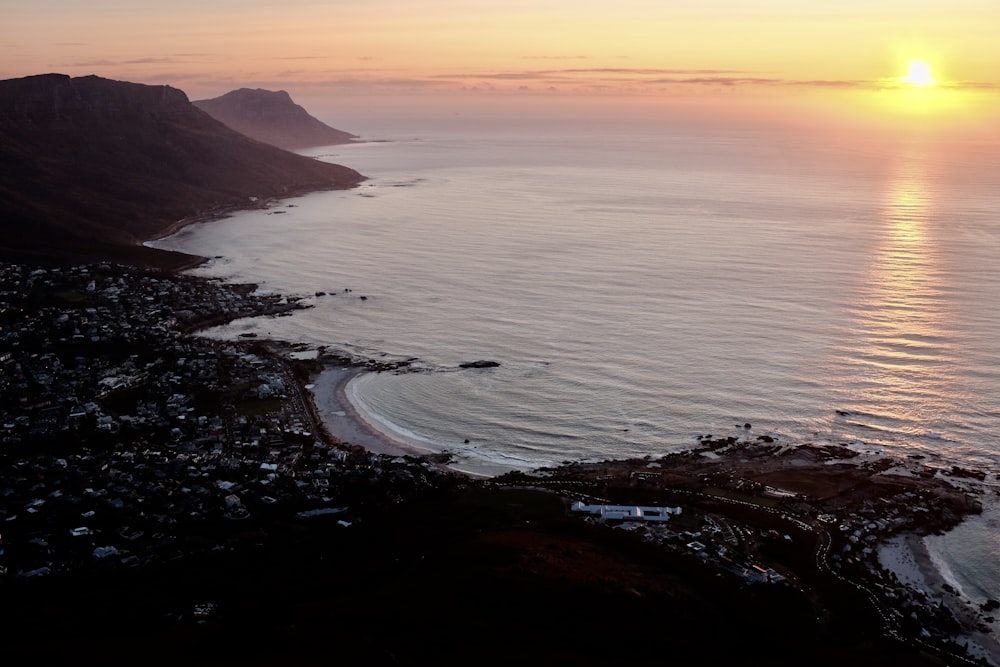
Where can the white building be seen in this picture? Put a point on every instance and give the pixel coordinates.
(627, 512)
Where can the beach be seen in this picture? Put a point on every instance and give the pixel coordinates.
(916, 565)
(344, 423)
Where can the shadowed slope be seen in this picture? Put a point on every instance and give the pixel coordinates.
(91, 167)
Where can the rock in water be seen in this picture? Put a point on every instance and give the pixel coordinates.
(479, 364)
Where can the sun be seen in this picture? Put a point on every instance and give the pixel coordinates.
(919, 74)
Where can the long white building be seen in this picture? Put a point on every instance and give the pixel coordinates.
(627, 512)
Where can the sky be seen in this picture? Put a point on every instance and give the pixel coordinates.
(853, 52)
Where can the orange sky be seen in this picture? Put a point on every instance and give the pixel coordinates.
(721, 48)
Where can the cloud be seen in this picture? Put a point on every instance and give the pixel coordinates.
(723, 81)
(730, 81)
(647, 71)
(831, 84)
(977, 85)
(529, 74)
(498, 76)
(628, 71)
(96, 63)
(635, 78)
(149, 61)
(893, 84)
(118, 63)
(719, 81)
(596, 80)
(387, 83)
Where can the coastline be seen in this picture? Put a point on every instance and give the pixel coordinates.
(914, 562)
(342, 420)
(345, 423)
(909, 554)
(966, 607)
(225, 211)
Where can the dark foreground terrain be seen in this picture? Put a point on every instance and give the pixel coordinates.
(460, 576)
(170, 499)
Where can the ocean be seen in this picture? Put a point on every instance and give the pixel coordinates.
(643, 285)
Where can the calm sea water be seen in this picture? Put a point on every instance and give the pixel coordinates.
(643, 287)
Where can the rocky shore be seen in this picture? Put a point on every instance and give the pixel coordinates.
(166, 489)
(868, 516)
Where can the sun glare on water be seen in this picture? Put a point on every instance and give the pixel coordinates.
(919, 74)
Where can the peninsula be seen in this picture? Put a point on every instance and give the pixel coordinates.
(272, 117)
(90, 168)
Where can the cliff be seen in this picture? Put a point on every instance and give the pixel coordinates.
(272, 117)
(90, 168)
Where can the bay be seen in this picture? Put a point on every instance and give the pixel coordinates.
(641, 287)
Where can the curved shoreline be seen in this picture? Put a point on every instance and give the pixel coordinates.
(917, 564)
(223, 211)
(909, 555)
(345, 423)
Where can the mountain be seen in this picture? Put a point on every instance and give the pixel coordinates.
(90, 168)
(272, 117)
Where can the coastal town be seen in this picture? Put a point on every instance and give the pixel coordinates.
(130, 444)
(126, 442)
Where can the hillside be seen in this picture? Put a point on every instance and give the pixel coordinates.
(272, 117)
(90, 168)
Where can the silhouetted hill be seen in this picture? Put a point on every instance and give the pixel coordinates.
(271, 117)
(90, 168)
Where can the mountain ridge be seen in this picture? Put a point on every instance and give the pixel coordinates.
(91, 167)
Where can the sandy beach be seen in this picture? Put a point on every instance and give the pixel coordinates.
(915, 565)
(344, 423)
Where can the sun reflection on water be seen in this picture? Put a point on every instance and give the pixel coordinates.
(905, 347)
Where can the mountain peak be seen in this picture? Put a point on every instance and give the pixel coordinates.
(272, 117)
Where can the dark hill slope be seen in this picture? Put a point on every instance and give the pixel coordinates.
(272, 117)
(90, 168)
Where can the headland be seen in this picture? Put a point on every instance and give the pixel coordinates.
(90, 182)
